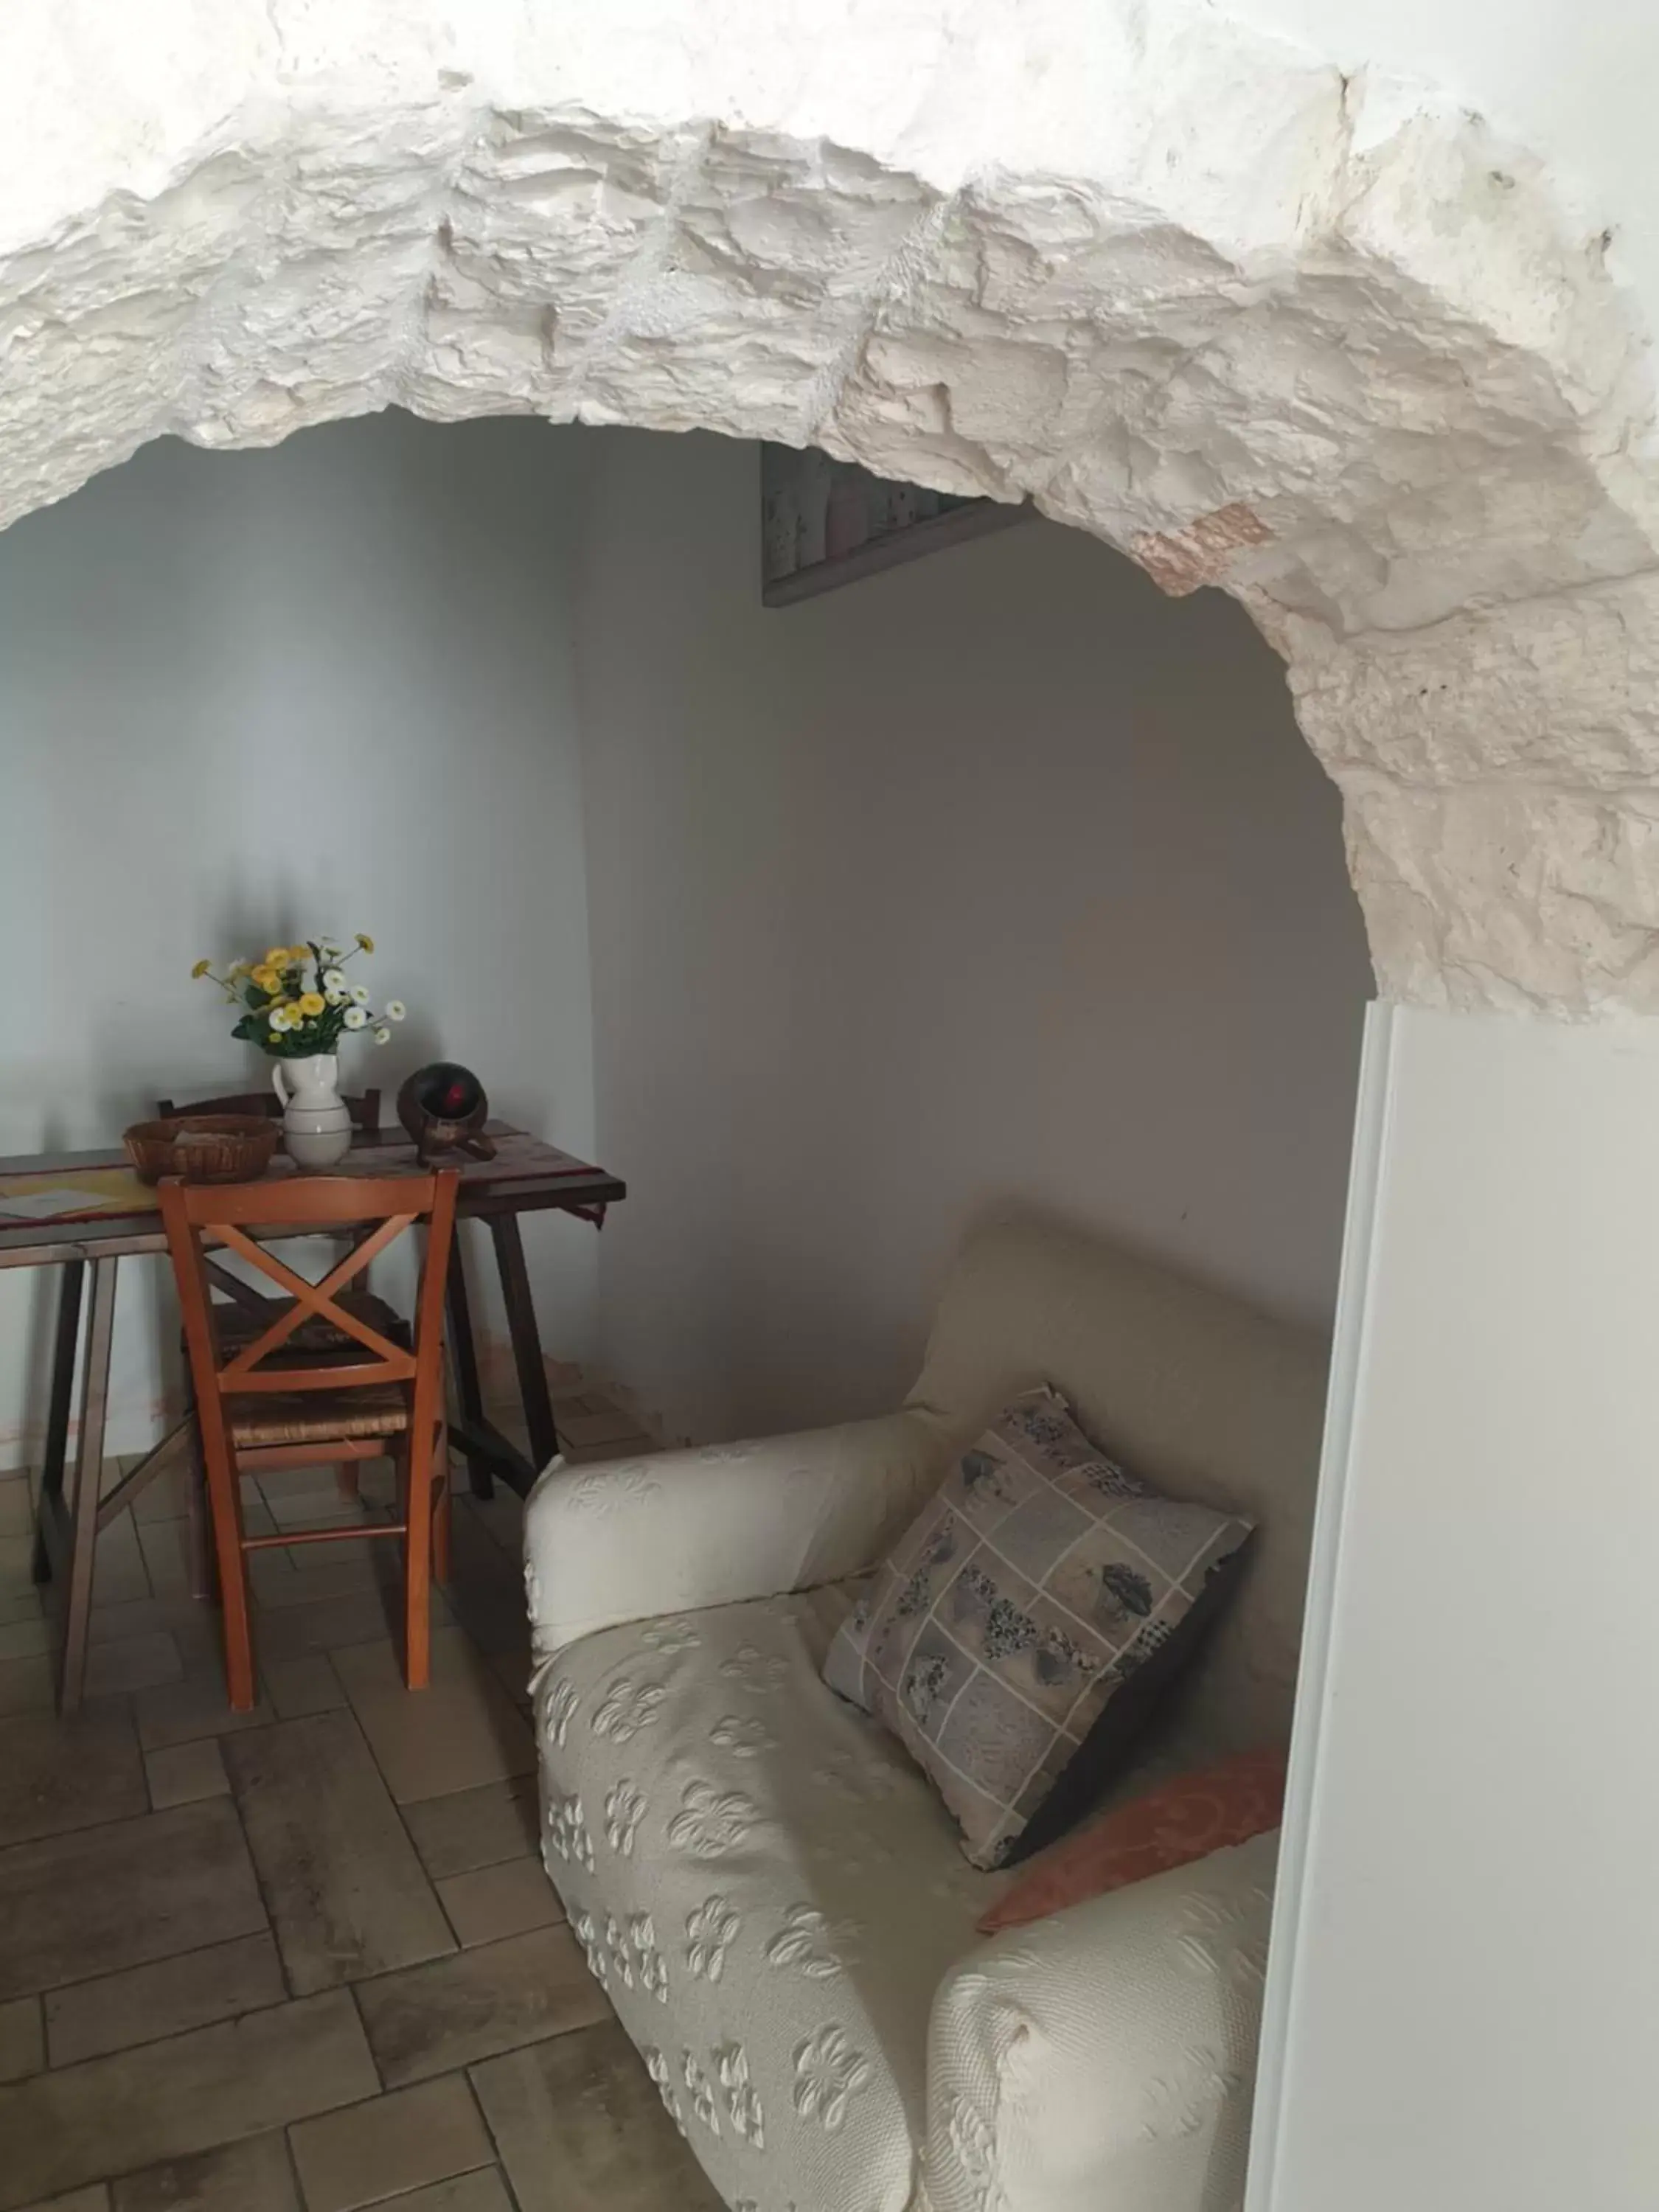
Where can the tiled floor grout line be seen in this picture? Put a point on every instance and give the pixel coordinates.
(259, 1885)
(362, 2024)
(285, 2129)
(384, 1779)
(173, 2035)
(495, 2140)
(287, 2133)
(352, 1989)
(191, 1951)
(490, 1537)
(112, 2182)
(86, 1827)
(423, 2188)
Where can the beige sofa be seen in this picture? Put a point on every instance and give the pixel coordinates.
(772, 1895)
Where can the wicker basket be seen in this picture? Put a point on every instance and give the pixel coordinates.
(203, 1147)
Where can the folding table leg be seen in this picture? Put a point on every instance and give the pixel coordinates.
(75, 1596)
(464, 1353)
(58, 1408)
(526, 1338)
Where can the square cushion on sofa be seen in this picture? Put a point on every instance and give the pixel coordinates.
(1018, 1637)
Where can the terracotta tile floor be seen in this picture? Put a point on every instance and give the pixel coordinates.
(305, 1960)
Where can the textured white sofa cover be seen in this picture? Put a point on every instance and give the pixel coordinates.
(773, 1896)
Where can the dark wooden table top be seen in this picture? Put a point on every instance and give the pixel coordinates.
(527, 1175)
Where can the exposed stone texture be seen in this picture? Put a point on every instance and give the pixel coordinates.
(1516, 692)
(1501, 775)
(1510, 896)
(1323, 343)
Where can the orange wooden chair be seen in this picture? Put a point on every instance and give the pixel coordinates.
(332, 1377)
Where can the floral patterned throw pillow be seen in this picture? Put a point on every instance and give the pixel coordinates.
(1019, 1636)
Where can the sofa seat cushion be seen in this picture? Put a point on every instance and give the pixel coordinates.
(769, 1890)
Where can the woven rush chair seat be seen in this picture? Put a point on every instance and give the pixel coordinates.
(302, 1417)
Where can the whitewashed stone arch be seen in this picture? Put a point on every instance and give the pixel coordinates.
(1258, 324)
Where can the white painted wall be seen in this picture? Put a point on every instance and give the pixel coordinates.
(1461, 2004)
(244, 695)
(999, 874)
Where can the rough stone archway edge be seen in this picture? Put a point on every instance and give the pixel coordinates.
(1321, 342)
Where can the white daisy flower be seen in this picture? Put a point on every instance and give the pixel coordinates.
(382, 1037)
(359, 994)
(335, 998)
(354, 1018)
(395, 1010)
(333, 979)
(279, 1019)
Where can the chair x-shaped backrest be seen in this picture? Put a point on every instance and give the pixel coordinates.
(316, 1301)
(194, 1212)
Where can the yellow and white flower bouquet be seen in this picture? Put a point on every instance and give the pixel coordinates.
(299, 1000)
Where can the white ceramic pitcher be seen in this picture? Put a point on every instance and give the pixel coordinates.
(316, 1124)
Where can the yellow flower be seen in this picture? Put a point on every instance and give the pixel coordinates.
(201, 968)
(277, 957)
(266, 977)
(368, 943)
(312, 1002)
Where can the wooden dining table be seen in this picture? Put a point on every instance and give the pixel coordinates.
(41, 1225)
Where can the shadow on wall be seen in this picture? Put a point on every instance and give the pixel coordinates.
(998, 873)
(329, 683)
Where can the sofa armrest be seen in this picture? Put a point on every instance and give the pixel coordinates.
(633, 1538)
(1106, 2055)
